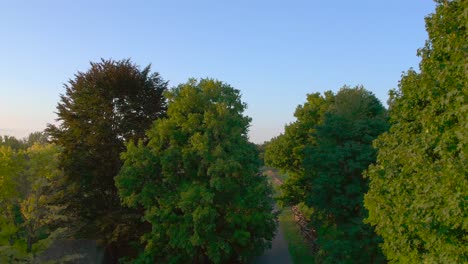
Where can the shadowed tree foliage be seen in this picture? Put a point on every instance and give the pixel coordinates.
(103, 108)
(417, 199)
(261, 152)
(324, 154)
(333, 168)
(286, 152)
(198, 180)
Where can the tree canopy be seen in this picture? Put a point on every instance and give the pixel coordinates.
(333, 168)
(418, 187)
(103, 108)
(324, 153)
(168, 176)
(29, 185)
(24, 143)
(198, 180)
(286, 152)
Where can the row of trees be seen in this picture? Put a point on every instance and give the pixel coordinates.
(407, 195)
(159, 175)
(324, 153)
(30, 181)
(152, 174)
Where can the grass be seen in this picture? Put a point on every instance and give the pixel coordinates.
(299, 248)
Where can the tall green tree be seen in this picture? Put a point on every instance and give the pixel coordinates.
(333, 167)
(286, 152)
(103, 108)
(417, 199)
(198, 180)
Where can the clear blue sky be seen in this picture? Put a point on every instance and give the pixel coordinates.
(275, 52)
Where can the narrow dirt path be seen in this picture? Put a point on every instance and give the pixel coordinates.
(278, 253)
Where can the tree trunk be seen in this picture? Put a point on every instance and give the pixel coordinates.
(29, 244)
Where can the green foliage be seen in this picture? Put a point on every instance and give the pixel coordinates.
(198, 180)
(286, 152)
(261, 153)
(305, 210)
(31, 139)
(333, 165)
(28, 217)
(110, 104)
(35, 138)
(10, 167)
(418, 188)
(324, 153)
(11, 142)
(300, 249)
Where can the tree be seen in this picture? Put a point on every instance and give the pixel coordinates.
(333, 167)
(198, 180)
(261, 152)
(38, 137)
(28, 220)
(110, 104)
(286, 152)
(10, 167)
(24, 143)
(11, 142)
(418, 186)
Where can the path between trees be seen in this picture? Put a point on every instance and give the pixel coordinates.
(279, 252)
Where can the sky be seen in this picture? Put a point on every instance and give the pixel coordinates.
(274, 52)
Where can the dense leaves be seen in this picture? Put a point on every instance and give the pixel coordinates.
(324, 153)
(418, 191)
(286, 152)
(29, 185)
(17, 144)
(333, 167)
(186, 182)
(110, 104)
(198, 180)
